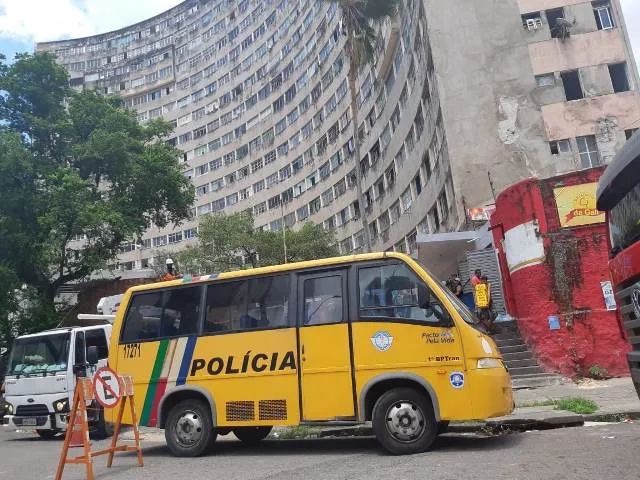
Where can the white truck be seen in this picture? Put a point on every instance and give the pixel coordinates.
(43, 367)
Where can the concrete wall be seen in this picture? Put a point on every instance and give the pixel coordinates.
(595, 48)
(486, 82)
(564, 283)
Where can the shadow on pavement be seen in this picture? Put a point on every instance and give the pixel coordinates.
(346, 446)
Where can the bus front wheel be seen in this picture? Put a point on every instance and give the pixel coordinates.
(403, 421)
(252, 435)
(189, 429)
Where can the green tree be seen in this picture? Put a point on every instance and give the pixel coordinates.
(359, 20)
(73, 164)
(231, 242)
(8, 306)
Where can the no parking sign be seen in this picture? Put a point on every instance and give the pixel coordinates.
(107, 387)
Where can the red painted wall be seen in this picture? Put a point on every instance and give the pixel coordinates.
(566, 284)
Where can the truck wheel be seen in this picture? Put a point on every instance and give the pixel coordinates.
(48, 434)
(252, 435)
(403, 421)
(103, 428)
(189, 429)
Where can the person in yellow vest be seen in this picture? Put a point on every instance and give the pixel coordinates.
(482, 298)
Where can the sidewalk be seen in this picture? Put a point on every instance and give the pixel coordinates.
(616, 399)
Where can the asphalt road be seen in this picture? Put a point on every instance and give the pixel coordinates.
(608, 451)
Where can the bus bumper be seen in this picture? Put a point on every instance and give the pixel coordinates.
(492, 395)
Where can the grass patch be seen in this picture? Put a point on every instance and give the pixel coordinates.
(295, 433)
(538, 403)
(576, 405)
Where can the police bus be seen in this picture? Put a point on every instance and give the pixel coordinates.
(370, 337)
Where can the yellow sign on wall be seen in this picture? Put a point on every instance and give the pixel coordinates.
(577, 205)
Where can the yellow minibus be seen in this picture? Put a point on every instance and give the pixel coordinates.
(370, 337)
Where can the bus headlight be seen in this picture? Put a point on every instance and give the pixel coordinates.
(489, 363)
(61, 405)
(9, 409)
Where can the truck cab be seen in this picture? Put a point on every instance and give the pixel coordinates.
(42, 370)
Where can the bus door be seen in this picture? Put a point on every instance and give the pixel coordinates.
(324, 344)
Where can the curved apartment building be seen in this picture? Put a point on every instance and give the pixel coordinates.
(257, 91)
(258, 94)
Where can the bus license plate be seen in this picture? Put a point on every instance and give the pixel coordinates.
(29, 422)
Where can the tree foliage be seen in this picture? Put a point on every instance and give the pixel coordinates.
(231, 242)
(73, 164)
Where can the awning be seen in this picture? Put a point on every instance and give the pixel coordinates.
(441, 252)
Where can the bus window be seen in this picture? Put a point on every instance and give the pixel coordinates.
(323, 300)
(268, 305)
(225, 305)
(391, 291)
(258, 303)
(167, 313)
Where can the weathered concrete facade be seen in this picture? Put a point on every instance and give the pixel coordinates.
(500, 67)
(257, 91)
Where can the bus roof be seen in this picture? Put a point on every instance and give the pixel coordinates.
(621, 175)
(324, 262)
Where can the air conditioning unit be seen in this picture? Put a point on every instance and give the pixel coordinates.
(534, 24)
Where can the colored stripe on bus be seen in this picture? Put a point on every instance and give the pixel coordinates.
(186, 361)
(153, 382)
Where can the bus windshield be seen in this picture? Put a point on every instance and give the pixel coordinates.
(460, 307)
(624, 220)
(38, 355)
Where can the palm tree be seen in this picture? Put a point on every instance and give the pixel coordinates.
(359, 18)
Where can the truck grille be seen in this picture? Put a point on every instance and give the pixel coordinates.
(36, 410)
(629, 302)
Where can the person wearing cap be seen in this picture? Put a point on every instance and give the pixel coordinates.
(171, 273)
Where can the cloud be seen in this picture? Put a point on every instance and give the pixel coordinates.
(30, 21)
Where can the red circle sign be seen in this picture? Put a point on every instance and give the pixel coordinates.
(107, 387)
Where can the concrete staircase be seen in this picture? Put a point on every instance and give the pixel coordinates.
(523, 367)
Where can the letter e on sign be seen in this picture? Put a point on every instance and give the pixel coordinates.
(107, 387)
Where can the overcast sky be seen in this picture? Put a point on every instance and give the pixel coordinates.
(23, 22)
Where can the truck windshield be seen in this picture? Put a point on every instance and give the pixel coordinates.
(624, 221)
(38, 355)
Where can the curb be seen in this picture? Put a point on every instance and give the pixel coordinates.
(497, 427)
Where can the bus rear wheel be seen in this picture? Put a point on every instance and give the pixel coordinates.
(403, 421)
(189, 429)
(252, 435)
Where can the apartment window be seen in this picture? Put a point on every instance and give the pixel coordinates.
(560, 146)
(588, 148)
(175, 237)
(547, 80)
(602, 11)
(258, 186)
(619, 79)
(555, 17)
(572, 86)
(260, 208)
(302, 213)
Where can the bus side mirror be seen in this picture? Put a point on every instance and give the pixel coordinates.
(424, 297)
(92, 355)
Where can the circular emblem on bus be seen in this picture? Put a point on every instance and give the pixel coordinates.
(635, 300)
(382, 340)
